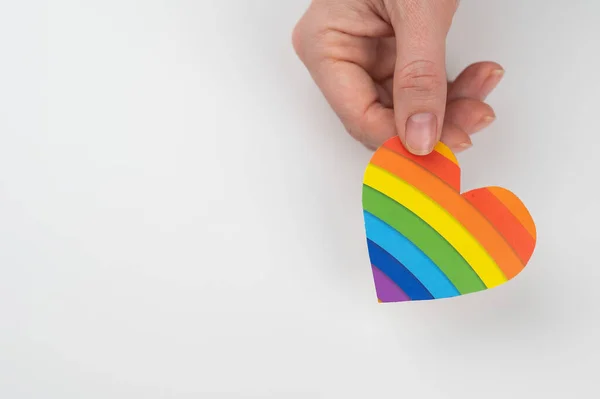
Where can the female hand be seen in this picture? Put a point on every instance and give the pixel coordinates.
(381, 66)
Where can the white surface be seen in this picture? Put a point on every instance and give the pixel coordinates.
(180, 211)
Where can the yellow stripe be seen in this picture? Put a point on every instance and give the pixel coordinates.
(446, 152)
(440, 220)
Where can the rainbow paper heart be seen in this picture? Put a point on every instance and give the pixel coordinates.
(426, 240)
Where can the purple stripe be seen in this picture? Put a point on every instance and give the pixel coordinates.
(387, 290)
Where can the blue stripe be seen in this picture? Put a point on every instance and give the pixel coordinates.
(397, 272)
(406, 253)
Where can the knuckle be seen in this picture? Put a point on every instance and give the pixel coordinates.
(421, 77)
(307, 41)
(298, 39)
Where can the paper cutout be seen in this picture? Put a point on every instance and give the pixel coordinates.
(426, 240)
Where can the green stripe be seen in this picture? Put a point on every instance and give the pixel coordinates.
(450, 262)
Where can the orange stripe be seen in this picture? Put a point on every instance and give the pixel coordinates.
(435, 162)
(516, 207)
(456, 205)
(505, 222)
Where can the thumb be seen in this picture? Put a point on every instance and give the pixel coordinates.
(420, 83)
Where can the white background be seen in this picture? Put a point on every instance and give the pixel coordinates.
(180, 211)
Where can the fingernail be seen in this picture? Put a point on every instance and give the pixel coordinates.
(463, 146)
(491, 82)
(421, 133)
(484, 122)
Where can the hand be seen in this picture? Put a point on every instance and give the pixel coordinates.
(381, 66)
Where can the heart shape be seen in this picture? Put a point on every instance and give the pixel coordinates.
(426, 240)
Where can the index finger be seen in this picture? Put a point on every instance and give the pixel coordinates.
(353, 95)
(335, 43)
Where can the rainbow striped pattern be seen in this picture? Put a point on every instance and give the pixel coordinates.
(426, 240)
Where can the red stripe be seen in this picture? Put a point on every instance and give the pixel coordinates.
(504, 221)
(435, 163)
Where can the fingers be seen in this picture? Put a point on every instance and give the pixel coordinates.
(337, 63)
(346, 50)
(476, 81)
(420, 84)
(355, 98)
(454, 137)
(470, 115)
(466, 113)
(465, 116)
